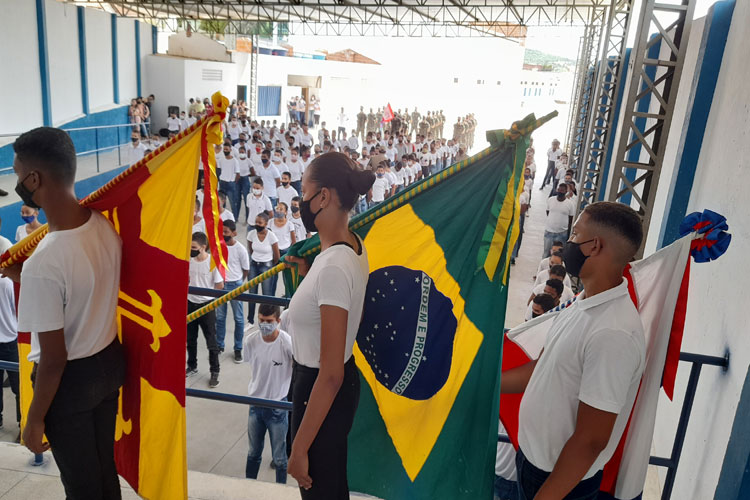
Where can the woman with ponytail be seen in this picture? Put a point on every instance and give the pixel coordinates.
(325, 313)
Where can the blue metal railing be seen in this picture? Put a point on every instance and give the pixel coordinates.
(671, 463)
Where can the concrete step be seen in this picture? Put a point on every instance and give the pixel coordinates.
(19, 480)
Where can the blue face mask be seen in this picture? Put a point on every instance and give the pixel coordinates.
(267, 329)
(380, 176)
(28, 219)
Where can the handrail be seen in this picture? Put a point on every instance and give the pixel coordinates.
(244, 297)
(93, 127)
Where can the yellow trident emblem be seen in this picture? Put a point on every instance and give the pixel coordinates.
(158, 325)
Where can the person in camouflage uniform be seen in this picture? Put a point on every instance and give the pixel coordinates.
(361, 122)
(371, 123)
(415, 116)
(379, 120)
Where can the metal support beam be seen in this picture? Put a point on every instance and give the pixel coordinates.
(588, 79)
(601, 123)
(635, 180)
(253, 104)
(575, 94)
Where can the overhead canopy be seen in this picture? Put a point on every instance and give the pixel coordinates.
(504, 18)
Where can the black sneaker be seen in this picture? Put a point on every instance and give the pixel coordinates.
(237, 356)
(221, 350)
(189, 372)
(273, 465)
(214, 381)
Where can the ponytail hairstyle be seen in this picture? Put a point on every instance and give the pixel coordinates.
(338, 172)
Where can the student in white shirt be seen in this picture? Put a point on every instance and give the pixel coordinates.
(550, 287)
(243, 183)
(353, 142)
(230, 174)
(556, 271)
(331, 294)
(238, 267)
(271, 174)
(560, 213)
(257, 202)
(269, 354)
(225, 215)
(557, 246)
(283, 228)
(393, 179)
(30, 217)
(381, 188)
(8, 341)
(234, 130)
(553, 154)
(173, 124)
(577, 397)
(263, 246)
(541, 304)
(286, 191)
(199, 225)
(305, 137)
(342, 119)
(296, 167)
(68, 300)
(300, 233)
(425, 161)
(201, 276)
(135, 151)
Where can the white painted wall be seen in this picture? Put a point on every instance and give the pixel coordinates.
(715, 318)
(64, 61)
(144, 30)
(19, 80)
(99, 59)
(166, 80)
(195, 85)
(126, 59)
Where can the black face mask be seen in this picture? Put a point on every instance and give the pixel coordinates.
(194, 253)
(285, 184)
(295, 210)
(227, 239)
(308, 217)
(265, 161)
(26, 195)
(574, 258)
(560, 196)
(227, 153)
(260, 228)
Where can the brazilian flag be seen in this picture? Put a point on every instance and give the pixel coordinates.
(430, 341)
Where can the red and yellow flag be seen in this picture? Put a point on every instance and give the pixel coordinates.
(151, 206)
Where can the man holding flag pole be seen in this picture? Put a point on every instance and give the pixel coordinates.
(589, 372)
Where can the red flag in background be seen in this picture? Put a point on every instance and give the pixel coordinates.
(387, 113)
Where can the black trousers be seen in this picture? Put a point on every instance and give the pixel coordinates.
(80, 424)
(207, 324)
(9, 352)
(549, 176)
(328, 452)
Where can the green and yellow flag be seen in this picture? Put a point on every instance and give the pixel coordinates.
(429, 345)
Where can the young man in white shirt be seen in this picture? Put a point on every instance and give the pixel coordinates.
(560, 213)
(523, 201)
(269, 354)
(238, 265)
(201, 276)
(225, 214)
(257, 201)
(243, 184)
(286, 191)
(550, 287)
(342, 119)
(299, 227)
(296, 167)
(173, 124)
(305, 137)
(72, 312)
(271, 175)
(135, 151)
(230, 174)
(579, 394)
(353, 142)
(553, 154)
(381, 188)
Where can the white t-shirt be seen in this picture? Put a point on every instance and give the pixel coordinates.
(559, 213)
(230, 167)
(244, 164)
(286, 194)
(72, 282)
(524, 198)
(8, 321)
(532, 167)
(296, 168)
(337, 277)
(262, 250)
(595, 353)
(134, 154)
(234, 131)
(283, 233)
(270, 365)
(199, 227)
(299, 228)
(567, 293)
(173, 124)
(426, 159)
(238, 260)
(380, 187)
(257, 205)
(269, 175)
(554, 155)
(202, 276)
(21, 232)
(353, 143)
(306, 139)
(5, 244)
(543, 276)
(226, 215)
